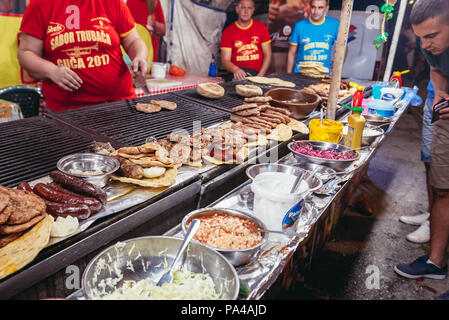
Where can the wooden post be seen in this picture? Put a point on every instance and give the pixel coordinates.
(394, 42)
(342, 41)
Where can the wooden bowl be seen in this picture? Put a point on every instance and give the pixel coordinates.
(301, 104)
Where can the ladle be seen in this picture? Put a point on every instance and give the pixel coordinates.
(168, 277)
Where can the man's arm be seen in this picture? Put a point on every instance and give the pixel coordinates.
(138, 52)
(30, 58)
(441, 87)
(266, 49)
(229, 66)
(291, 57)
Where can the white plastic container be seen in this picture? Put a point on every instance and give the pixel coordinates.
(273, 200)
(158, 70)
(391, 94)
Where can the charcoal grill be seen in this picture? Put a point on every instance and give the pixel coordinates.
(31, 148)
(121, 122)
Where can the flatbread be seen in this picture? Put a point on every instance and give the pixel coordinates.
(281, 133)
(298, 126)
(261, 141)
(147, 162)
(18, 253)
(271, 81)
(248, 90)
(166, 180)
(210, 90)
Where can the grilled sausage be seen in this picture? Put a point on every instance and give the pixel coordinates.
(51, 194)
(56, 209)
(79, 185)
(25, 186)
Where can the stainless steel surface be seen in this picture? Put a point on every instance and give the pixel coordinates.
(337, 165)
(367, 140)
(76, 163)
(158, 250)
(238, 256)
(253, 171)
(168, 276)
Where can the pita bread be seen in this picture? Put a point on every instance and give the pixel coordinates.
(281, 133)
(261, 141)
(147, 162)
(18, 253)
(248, 90)
(166, 180)
(210, 90)
(298, 126)
(271, 81)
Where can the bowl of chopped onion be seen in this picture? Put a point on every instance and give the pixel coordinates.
(236, 235)
(130, 270)
(333, 155)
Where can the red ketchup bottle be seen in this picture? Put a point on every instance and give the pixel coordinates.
(397, 77)
(357, 98)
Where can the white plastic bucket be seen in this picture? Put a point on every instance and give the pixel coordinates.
(273, 200)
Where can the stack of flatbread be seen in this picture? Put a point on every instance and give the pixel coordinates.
(322, 89)
(24, 228)
(313, 69)
(146, 165)
(271, 81)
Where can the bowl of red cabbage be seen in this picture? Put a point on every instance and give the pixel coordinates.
(335, 156)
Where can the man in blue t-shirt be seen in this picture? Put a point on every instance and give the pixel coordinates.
(312, 38)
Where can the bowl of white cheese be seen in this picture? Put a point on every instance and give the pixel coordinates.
(273, 202)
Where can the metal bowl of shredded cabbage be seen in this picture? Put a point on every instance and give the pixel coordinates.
(129, 270)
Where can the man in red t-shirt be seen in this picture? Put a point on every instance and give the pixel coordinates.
(245, 44)
(154, 22)
(74, 48)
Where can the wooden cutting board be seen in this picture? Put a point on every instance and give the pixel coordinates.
(162, 83)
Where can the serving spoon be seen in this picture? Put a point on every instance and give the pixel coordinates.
(168, 276)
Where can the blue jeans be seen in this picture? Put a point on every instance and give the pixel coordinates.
(427, 130)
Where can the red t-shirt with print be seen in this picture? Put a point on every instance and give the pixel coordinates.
(85, 36)
(246, 43)
(139, 10)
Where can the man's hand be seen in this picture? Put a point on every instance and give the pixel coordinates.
(439, 95)
(151, 21)
(239, 74)
(65, 78)
(139, 66)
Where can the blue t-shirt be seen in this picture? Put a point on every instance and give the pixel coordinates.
(314, 40)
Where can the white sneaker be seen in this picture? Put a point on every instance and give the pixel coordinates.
(417, 220)
(420, 235)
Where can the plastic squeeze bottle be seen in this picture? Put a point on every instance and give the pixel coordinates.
(212, 68)
(356, 124)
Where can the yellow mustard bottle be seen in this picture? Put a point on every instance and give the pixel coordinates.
(356, 124)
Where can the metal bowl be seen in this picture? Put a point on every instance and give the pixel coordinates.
(314, 184)
(236, 257)
(374, 120)
(324, 173)
(149, 256)
(300, 103)
(367, 140)
(337, 165)
(76, 164)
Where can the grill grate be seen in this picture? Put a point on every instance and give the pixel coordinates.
(121, 122)
(31, 148)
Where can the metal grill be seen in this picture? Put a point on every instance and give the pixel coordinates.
(121, 121)
(30, 148)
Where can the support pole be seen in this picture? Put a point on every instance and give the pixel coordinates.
(342, 41)
(394, 41)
